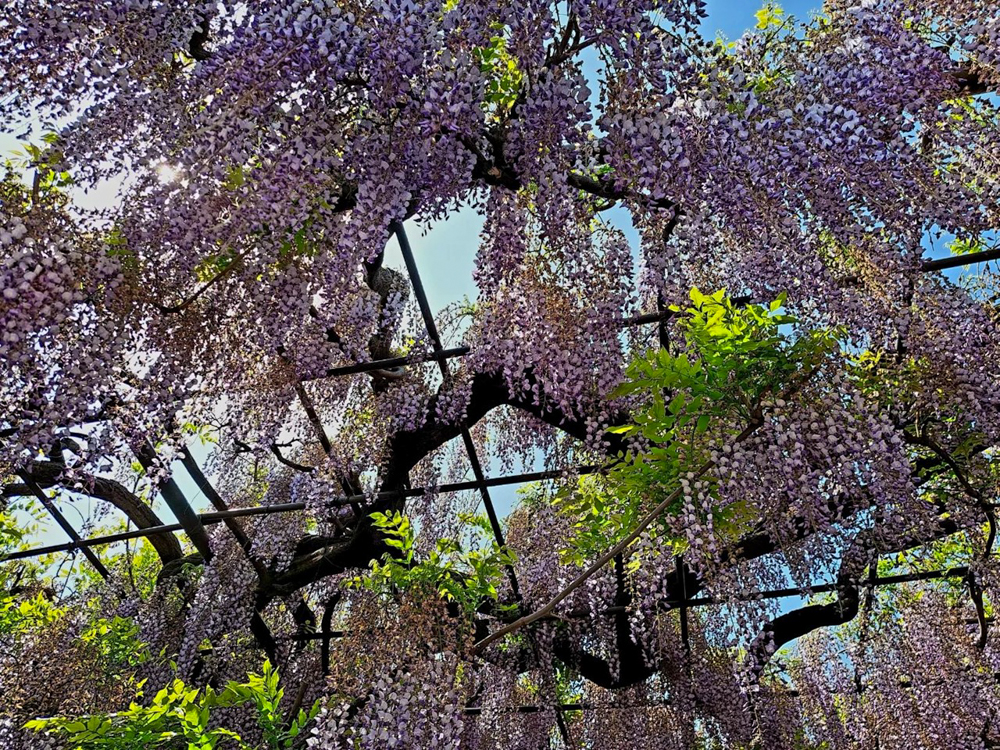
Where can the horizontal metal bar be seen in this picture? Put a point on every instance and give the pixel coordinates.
(472, 484)
(930, 575)
(653, 317)
(386, 364)
(560, 707)
(960, 260)
(214, 517)
(64, 524)
(96, 541)
(661, 315)
(319, 636)
(459, 351)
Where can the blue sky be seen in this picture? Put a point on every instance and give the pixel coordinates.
(733, 17)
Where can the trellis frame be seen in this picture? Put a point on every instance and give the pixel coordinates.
(193, 523)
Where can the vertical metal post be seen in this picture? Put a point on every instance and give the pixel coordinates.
(213, 497)
(685, 634)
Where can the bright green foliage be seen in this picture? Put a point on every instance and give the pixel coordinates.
(116, 246)
(952, 551)
(467, 577)
(18, 615)
(298, 243)
(179, 717)
(44, 160)
(769, 16)
(11, 532)
(23, 606)
(215, 264)
(503, 76)
(116, 640)
(236, 177)
(966, 245)
(736, 360)
(770, 71)
(970, 108)
(892, 385)
(293, 244)
(944, 444)
(206, 434)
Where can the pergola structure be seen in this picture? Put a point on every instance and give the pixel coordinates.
(193, 524)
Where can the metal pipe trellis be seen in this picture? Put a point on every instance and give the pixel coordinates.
(194, 523)
(385, 364)
(681, 605)
(439, 355)
(64, 524)
(214, 517)
(960, 260)
(470, 446)
(432, 332)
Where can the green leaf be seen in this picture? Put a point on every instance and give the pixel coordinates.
(966, 245)
(622, 429)
(770, 15)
